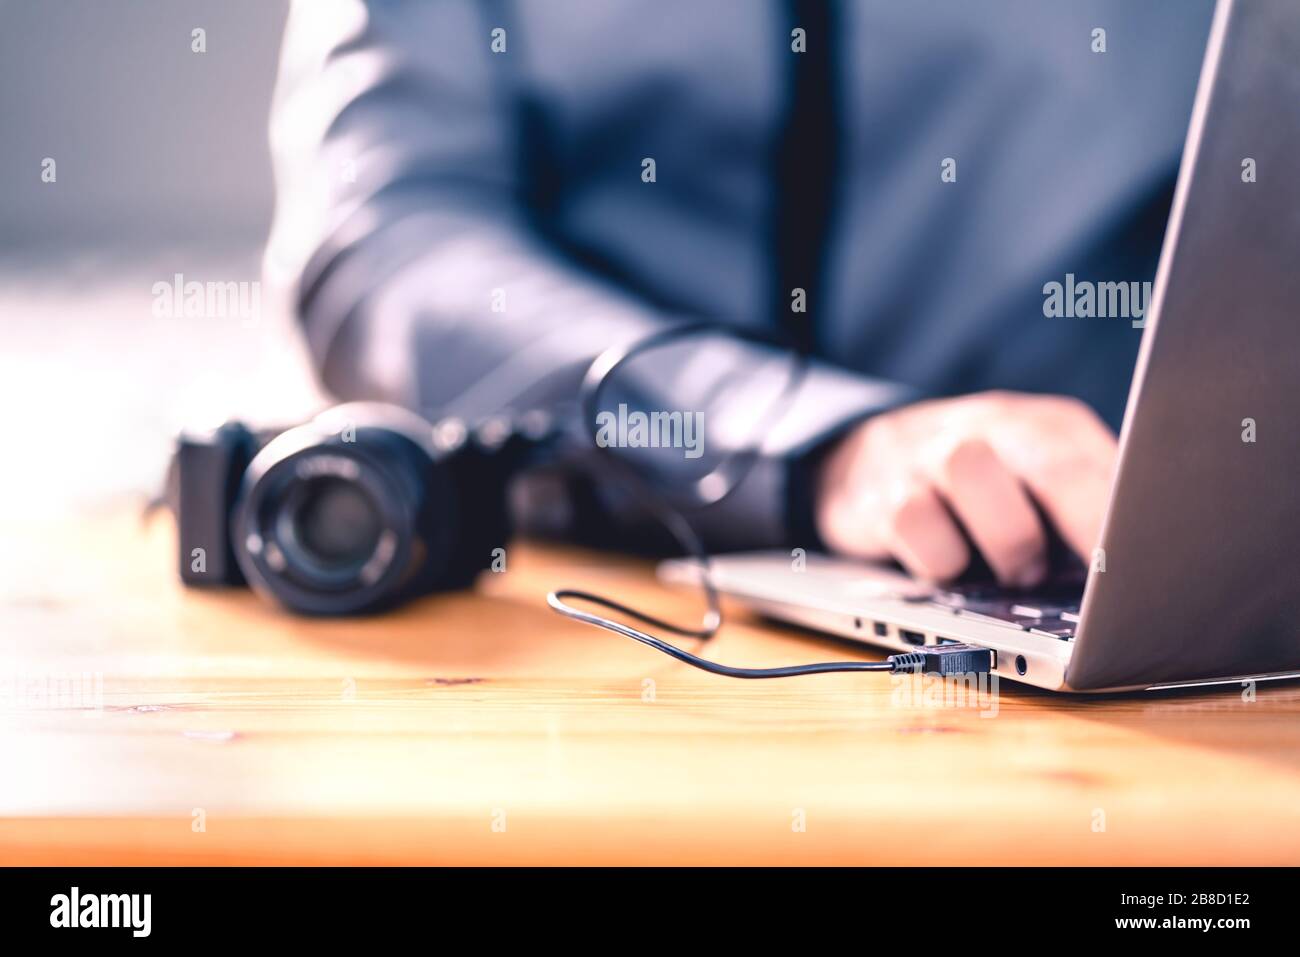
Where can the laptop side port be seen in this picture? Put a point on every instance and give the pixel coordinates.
(881, 628)
(911, 637)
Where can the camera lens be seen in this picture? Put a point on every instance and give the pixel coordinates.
(345, 517)
(333, 522)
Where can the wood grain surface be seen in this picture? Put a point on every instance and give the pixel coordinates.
(144, 723)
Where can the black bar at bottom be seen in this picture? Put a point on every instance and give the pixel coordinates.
(335, 906)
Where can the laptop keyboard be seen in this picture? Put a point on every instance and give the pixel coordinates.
(1052, 612)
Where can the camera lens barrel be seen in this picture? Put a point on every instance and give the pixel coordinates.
(346, 514)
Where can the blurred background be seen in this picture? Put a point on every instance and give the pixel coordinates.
(160, 167)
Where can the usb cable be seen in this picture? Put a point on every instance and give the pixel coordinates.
(950, 659)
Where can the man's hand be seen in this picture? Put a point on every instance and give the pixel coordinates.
(903, 484)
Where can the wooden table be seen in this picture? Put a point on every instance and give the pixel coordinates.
(482, 728)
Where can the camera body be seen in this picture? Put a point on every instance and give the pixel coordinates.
(363, 507)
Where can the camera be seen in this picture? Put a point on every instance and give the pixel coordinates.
(361, 508)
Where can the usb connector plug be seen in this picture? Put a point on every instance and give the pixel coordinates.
(951, 659)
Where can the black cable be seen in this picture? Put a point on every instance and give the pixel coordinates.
(947, 659)
(943, 660)
(731, 472)
(723, 479)
(556, 600)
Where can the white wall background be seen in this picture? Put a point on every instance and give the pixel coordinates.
(154, 143)
(163, 167)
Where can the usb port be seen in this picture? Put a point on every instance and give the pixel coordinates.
(911, 637)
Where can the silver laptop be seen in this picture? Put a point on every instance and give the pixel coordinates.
(1198, 575)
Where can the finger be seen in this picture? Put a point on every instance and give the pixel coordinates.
(1068, 470)
(993, 506)
(848, 524)
(850, 499)
(920, 532)
(1074, 496)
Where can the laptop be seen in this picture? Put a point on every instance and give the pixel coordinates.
(1197, 576)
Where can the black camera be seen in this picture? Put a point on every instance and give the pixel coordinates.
(363, 507)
